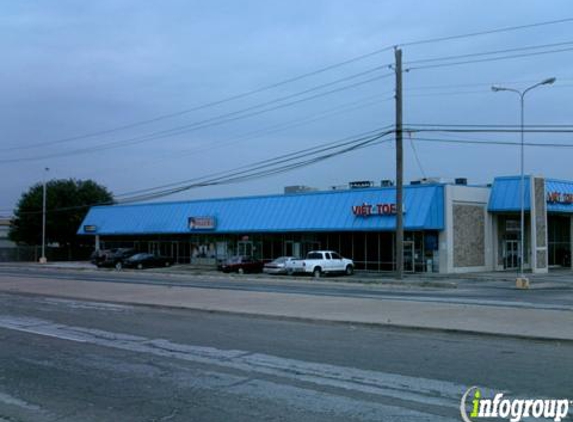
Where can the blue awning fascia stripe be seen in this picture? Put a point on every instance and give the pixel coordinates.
(308, 212)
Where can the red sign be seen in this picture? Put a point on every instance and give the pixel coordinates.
(366, 210)
(560, 198)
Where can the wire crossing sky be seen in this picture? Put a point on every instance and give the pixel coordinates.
(136, 95)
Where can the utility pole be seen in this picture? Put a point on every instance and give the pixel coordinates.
(43, 259)
(399, 169)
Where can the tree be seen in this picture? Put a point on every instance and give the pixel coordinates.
(67, 203)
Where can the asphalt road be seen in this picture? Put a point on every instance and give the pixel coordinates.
(555, 292)
(66, 360)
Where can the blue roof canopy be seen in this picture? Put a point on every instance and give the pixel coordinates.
(505, 195)
(306, 212)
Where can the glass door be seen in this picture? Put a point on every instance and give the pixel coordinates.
(511, 254)
(245, 248)
(292, 249)
(409, 255)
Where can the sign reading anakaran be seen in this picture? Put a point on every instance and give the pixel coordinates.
(202, 223)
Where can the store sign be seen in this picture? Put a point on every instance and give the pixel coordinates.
(512, 225)
(560, 198)
(361, 184)
(91, 228)
(202, 223)
(367, 210)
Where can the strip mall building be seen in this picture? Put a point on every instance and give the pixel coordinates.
(449, 228)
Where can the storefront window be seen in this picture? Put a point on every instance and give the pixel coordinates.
(559, 234)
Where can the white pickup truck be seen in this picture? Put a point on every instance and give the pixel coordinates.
(318, 263)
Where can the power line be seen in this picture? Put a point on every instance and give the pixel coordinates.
(445, 94)
(288, 162)
(280, 159)
(208, 104)
(489, 84)
(256, 106)
(414, 150)
(349, 107)
(450, 93)
(491, 59)
(490, 142)
(489, 53)
(287, 81)
(264, 168)
(215, 121)
(440, 125)
(493, 129)
(487, 32)
(259, 174)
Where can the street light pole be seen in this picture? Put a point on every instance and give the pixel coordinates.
(549, 81)
(43, 259)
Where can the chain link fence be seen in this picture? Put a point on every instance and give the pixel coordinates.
(33, 254)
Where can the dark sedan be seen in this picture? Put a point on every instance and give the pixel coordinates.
(111, 257)
(146, 260)
(241, 264)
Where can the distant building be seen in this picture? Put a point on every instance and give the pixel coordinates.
(4, 229)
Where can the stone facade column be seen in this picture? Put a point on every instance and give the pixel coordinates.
(571, 241)
(538, 223)
(446, 238)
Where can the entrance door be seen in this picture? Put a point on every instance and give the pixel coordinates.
(409, 255)
(292, 249)
(511, 254)
(245, 248)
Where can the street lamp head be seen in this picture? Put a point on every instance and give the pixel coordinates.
(548, 81)
(497, 88)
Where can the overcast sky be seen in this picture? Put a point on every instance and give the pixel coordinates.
(73, 68)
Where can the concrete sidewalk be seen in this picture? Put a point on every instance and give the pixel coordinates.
(493, 320)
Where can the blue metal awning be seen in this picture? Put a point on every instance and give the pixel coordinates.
(505, 194)
(306, 212)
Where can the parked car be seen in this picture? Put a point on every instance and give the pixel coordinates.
(318, 263)
(278, 266)
(111, 257)
(241, 264)
(146, 260)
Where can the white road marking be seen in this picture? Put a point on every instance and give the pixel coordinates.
(14, 401)
(76, 304)
(415, 389)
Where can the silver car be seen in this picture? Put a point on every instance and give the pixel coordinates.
(277, 266)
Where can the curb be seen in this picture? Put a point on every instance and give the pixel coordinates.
(311, 320)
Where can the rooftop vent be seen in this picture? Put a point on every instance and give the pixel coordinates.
(427, 181)
(298, 189)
